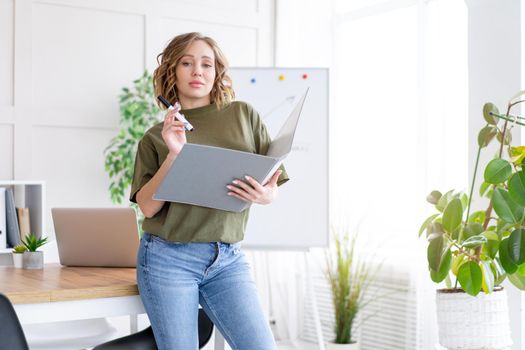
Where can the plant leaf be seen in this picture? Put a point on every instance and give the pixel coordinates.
(486, 135)
(443, 201)
(434, 197)
(508, 210)
(487, 109)
(483, 188)
(426, 223)
(469, 276)
(488, 277)
(435, 252)
(516, 247)
(516, 97)
(444, 267)
(517, 280)
(517, 188)
(497, 171)
(474, 241)
(452, 215)
(456, 263)
(505, 260)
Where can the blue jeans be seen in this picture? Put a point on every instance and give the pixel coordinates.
(174, 278)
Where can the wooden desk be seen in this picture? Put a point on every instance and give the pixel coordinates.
(59, 293)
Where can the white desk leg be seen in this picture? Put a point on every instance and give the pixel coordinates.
(219, 340)
(133, 323)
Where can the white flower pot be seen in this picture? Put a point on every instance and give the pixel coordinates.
(333, 346)
(467, 322)
(18, 259)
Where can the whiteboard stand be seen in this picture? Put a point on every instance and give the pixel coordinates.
(310, 286)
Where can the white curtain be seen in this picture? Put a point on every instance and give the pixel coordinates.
(398, 130)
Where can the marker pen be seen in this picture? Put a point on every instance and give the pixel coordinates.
(179, 116)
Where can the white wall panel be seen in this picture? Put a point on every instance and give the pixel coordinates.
(71, 161)
(239, 44)
(6, 52)
(237, 5)
(6, 152)
(82, 58)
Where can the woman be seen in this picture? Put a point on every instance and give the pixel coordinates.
(190, 255)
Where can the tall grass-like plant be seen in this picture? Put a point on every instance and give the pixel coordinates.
(349, 277)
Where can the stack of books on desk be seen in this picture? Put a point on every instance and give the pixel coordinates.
(14, 222)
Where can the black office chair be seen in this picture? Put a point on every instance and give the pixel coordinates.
(144, 340)
(11, 333)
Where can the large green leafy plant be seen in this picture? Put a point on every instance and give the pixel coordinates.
(349, 277)
(138, 112)
(483, 248)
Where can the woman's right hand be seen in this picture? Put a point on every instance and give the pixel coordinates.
(173, 132)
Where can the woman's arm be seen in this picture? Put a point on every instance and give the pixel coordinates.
(174, 135)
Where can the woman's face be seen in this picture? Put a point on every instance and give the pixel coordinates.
(195, 74)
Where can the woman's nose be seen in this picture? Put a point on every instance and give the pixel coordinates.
(197, 71)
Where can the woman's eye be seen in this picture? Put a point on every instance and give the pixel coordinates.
(207, 65)
(185, 64)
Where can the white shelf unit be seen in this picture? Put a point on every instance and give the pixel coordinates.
(28, 194)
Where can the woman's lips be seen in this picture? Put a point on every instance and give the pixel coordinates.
(196, 85)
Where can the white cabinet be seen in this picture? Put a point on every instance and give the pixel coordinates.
(27, 194)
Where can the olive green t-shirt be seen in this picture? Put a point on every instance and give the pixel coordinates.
(236, 126)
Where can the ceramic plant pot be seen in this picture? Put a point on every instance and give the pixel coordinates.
(18, 259)
(333, 346)
(33, 260)
(467, 322)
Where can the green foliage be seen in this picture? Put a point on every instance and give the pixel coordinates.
(349, 277)
(484, 248)
(19, 249)
(138, 112)
(31, 242)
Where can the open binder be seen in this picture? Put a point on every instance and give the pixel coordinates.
(200, 173)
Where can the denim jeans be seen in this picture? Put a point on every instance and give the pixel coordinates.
(174, 278)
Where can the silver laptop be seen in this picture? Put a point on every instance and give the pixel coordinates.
(102, 237)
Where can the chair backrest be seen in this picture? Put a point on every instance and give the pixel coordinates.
(144, 340)
(205, 328)
(11, 333)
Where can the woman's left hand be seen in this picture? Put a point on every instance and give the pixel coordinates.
(252, 191)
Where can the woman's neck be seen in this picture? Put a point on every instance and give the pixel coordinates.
(194, 103)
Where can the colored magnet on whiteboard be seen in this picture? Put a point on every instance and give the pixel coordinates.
(252, 80)
(281, 77)
(305, 76)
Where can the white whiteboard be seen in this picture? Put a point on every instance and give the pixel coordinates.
(298, 218)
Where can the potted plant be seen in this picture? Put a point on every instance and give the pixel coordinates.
(480, 249)
(18, 253)
(349, 277)
(138, 112)
(33, 259)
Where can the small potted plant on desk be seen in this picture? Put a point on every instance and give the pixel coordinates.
(480, 249)
(349, 277)
(33, 259)
(18, 254)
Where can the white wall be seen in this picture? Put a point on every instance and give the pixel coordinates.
(495, 65)
(64, 62)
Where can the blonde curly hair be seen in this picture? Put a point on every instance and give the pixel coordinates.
(164, 76)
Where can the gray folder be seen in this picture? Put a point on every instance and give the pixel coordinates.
(200, 173)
